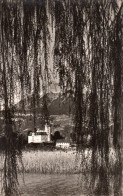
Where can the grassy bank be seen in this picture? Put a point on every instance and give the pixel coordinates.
(50, 162)
(58, 162)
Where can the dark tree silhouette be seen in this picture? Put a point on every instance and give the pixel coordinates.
(57, 136)
(87, 56)
(88, 51)
(24, 48)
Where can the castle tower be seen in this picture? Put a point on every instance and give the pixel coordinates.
(46, 128)
(49, 135)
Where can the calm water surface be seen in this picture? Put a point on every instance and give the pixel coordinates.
(51, 185)
(67, 185)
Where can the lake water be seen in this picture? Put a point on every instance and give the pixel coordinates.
(51, 185)
(66, 185)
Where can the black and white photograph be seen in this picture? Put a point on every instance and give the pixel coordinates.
(61, 97)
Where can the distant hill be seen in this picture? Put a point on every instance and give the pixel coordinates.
(57, 104)
(61, 105)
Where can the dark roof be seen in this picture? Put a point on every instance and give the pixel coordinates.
(41, 133)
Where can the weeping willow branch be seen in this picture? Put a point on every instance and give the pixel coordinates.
(88, 47)
(24, 48)
(87, 56)
(83, 50)
(11, 151)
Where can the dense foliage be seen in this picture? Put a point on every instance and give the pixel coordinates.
(85, 40)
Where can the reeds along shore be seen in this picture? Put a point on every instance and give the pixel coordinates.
(58, 162)
(49, 162)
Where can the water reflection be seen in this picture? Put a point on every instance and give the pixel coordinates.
(52, 185)
(105, 175)
(98, 183)
(100, 176)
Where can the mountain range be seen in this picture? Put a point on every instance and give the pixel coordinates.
(56, 102)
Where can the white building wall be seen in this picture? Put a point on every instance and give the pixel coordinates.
(34, 139)
(63, 145)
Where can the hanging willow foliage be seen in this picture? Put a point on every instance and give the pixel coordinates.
(88, 48)
(86, 45)
(87, 56)
(24, 67)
